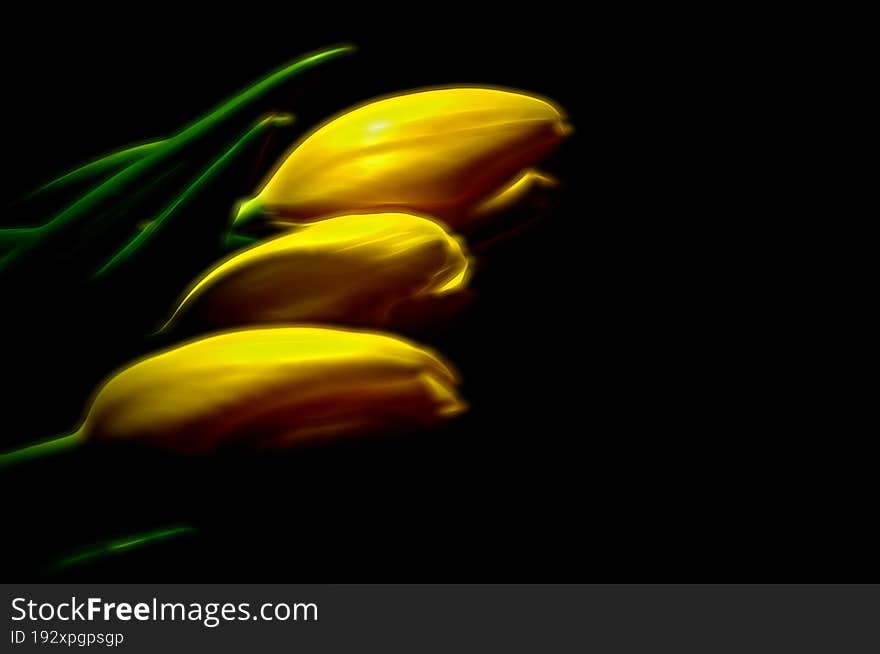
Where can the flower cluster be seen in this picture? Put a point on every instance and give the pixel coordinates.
(356, 222)
(363, 222)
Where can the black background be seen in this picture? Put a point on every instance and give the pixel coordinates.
(632, 411)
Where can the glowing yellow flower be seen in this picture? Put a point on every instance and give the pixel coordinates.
(351, 270)
(270, 388)
(441, 152)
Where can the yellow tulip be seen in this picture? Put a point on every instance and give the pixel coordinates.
(271, 388)
(441, 152)
(350, 270)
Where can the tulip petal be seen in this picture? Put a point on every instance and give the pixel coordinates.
(348, 270)
(514, 193)
(439, 152)
(269, 387)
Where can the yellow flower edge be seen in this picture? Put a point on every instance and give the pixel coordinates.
(274, 387)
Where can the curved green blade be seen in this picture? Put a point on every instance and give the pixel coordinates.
(108, 163)
(108, 548)
(12, 237)
(40, 450)
(129, 177)
(259, 89)
(198, 186)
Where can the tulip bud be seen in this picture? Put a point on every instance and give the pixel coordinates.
(441, 152)
(351, 270)
(271, 388)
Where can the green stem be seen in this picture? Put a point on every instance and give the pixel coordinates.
(121, 184)
(43, 449)
(248, 210)
(255, 91)
(92, 169)
(180, 202)
(108, 548)
(234, 241)
(12, 237)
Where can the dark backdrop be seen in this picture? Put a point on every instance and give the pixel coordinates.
(625, 422)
